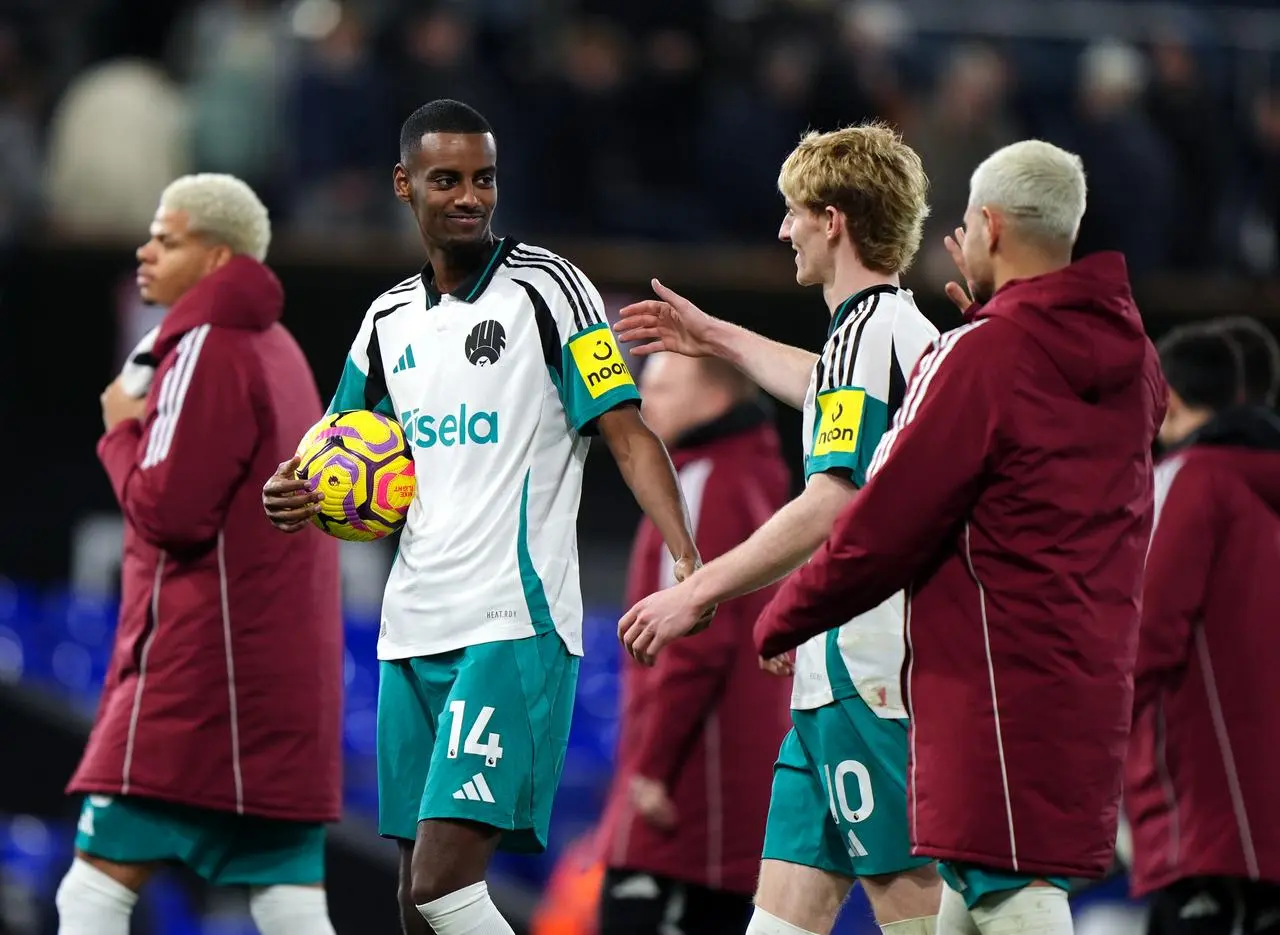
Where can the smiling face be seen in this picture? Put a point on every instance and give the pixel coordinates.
(808, 234)
(451, 183)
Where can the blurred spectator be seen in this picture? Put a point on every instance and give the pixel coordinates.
(862, 74)
(1131, 193)
(1262, 247)
(963, 124)
(582, 159)
(342, 132)
(436, 57)
(748, 133)
(1183, 110)
(234, 54)
(437, 60)
(118, 137)
(20, 166)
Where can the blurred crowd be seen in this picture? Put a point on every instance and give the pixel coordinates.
(662, 120)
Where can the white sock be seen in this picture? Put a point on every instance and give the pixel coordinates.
(468, 911)
(1032, 910)
(91, 903)
(765, 923)
(953, 915)
(921, 925)
(290, 910)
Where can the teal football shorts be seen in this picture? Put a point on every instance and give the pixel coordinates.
(973, 882)
(479, 734)
(839, 798)
(224, 848)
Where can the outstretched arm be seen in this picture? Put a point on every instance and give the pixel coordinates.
(673, 323)
(932, 461)
(646, 467)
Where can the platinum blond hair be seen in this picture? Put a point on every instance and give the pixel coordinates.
(1037, 186)
(222, 209)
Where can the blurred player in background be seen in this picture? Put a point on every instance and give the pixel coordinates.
(499, 363)
(1259, 357)
(1204, 756)
(217, 740)
(1013, 498)
(686, 812)
(855, 208)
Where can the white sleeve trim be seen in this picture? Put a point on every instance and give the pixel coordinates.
(173, 393)
(918, 389)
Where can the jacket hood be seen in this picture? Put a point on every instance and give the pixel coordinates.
(1247, 440)
(243, 294)
(1084, 318)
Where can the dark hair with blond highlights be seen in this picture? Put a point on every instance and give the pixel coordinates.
(874, 179)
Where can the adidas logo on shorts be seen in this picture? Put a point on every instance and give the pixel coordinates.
(475, 790)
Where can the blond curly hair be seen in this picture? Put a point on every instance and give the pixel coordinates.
(874, 179)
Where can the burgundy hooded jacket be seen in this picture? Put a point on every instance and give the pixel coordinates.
(1203, 771)
(1013, 500)
(224, 689)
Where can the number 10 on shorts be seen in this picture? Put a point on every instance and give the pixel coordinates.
(491, 750)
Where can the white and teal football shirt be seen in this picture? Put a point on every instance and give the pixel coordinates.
(498, 386)
(876, 337)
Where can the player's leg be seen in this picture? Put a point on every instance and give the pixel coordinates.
(794, 899)
(450, 858)
(907, 902)
(411, 920)
(805, 873)
(280, 862)
(839, 811)
(118, 844)
(494, 771)
(953, 915)
(864, 761)
(1003, 903)
(406, 735)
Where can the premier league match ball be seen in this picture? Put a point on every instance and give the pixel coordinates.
(361, 463)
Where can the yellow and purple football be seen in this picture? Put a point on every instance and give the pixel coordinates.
(361, 463)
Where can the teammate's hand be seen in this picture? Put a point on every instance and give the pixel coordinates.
(960, 296)
(650, 800)
(781, 666)
(669, 323)
(659, 619)
(118, 406)
(684, 568)
(288, 501)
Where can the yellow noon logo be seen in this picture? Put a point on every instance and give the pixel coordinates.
(596, 355)
(839, 421)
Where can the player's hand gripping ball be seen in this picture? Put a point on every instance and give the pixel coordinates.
(360, 462)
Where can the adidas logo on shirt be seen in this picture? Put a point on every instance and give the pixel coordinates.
(475, 790)
(406, 361)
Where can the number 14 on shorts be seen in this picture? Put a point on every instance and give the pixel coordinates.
(491, 749)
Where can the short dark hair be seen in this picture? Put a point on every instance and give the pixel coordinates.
(1259, 356)
(1202, 365)
(440, 116)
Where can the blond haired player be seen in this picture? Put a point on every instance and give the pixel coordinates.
(855, 207)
